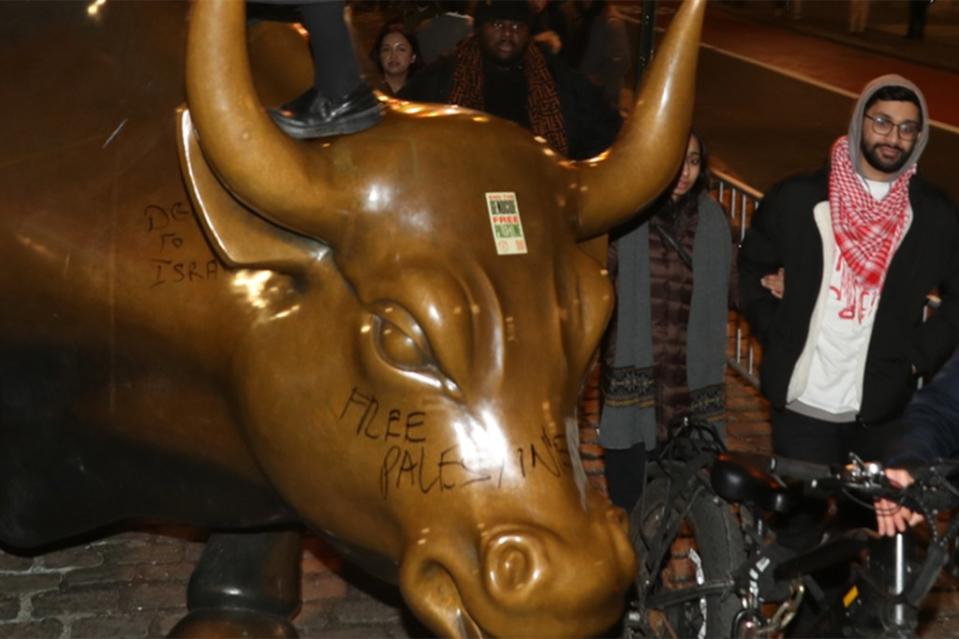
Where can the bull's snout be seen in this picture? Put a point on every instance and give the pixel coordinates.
(532, 581)
(516, 562)
(584, 567)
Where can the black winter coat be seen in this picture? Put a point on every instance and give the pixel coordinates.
(784, 234)
(932, 420)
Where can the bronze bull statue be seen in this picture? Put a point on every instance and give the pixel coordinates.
(381, 335)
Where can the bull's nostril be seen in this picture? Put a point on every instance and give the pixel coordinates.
(514, 564)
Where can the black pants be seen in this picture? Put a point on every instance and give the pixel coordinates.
(335, 67)
(625, 475)
(336, 71)
(814, 440)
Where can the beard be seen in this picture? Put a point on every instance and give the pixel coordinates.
(876, 161)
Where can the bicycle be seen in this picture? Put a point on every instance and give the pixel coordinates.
(707, 510)
(688, 543)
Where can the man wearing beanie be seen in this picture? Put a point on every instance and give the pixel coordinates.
(834, 275)
(497, 70)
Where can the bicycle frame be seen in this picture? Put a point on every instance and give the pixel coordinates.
(884, 594)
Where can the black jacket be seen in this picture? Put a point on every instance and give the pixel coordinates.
(932, 420)
(591, 125)
(784, 234)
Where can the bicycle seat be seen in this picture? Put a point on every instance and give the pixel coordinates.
(737, 481)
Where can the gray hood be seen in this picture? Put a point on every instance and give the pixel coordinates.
(855, 125)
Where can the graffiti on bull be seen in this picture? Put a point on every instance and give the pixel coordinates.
(175, 261)
(410, 462)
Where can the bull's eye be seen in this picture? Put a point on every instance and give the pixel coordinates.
(400, 349)
(399, 339)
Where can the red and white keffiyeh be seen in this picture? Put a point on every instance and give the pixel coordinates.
(867, 232)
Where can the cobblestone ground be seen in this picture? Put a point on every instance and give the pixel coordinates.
(133, 584)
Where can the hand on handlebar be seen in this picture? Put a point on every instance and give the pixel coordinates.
(890, 516)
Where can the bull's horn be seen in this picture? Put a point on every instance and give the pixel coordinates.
(279, 177)
(644, 158)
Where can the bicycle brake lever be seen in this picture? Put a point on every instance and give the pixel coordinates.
(858, 469)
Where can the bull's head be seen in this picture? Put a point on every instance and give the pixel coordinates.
(407, 387)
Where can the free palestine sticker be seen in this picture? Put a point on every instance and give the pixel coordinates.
(506, 224)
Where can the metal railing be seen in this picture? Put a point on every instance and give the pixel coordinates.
(740, 200)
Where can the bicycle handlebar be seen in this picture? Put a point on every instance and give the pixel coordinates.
(785, 467)
(801, 470)
(866, 478)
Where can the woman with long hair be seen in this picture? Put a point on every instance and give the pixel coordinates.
(666, 352)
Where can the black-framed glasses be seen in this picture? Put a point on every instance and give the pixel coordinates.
(882, 125)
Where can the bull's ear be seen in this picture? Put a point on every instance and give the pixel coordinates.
(240, 237)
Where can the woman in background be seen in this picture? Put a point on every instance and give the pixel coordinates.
(396, 54)
(666, 352)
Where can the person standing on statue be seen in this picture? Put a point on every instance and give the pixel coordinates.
(834, 274)
(339, 102)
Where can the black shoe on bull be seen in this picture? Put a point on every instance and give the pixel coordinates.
(313, 115)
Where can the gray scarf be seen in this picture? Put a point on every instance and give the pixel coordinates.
(629, 415)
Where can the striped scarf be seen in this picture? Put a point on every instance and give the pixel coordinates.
(542, 102)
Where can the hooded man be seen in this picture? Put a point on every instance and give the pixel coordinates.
(834, 275)
(499, 71)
